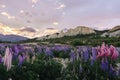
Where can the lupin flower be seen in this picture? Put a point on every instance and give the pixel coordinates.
(105, 51)
(0, 58)
(91, 61)
(112, 48)
(104, 64)
(80, 68)
(21, 59)
(94, 53)
(15, 50)
(8, 58)
(72, 55)
(112, 71)
(48, 52)
(85, 54)
(115, 54)
(33, 58)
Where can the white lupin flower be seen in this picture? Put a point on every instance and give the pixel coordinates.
(8, 58)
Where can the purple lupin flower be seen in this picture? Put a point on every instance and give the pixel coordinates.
(119, 72)
(85, 54)
(21, 59)
(38, 49)
(48, 52)
(15, 50)
(80, 69)
(72, 55)
(104, 65)
(91, 61)
(94, 53)
(0, 58)
(111, 70)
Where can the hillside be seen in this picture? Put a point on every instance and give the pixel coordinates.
(70, 32)
(11, 38)
(115, 28)
(114, 32)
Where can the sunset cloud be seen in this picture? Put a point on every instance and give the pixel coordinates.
(25, 31)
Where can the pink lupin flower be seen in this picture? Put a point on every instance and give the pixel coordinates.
(8, 58)
(107, 54)
(102, 53)
(98, 56)
(103, 46)
(112, 48)
(115, 54)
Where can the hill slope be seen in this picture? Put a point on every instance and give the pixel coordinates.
(11, 38)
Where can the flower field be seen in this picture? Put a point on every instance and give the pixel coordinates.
(59, 62)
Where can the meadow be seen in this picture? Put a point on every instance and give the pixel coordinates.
(59, 62)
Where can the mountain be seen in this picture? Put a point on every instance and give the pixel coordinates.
(70, 32)
(12, 38)
(116, 28)
(114, 32)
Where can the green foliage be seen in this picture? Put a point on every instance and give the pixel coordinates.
(61, 54)
(77, 42)
(43, 68)
(3, 73)
(78, 70)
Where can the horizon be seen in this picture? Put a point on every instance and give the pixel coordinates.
(36, 18)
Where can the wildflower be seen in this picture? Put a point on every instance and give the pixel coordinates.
(80, 68)
(72, 55)
(15, 50)
(115, 54)
(107, 53)
(33, 59)
(85, 54)
(94, 53)
(104, 64)
(112, 71)
(48, 52)
(0, 58)
(91, 61)
(21, 59)
(8, 58)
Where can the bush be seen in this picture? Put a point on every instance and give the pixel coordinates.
(77, 42)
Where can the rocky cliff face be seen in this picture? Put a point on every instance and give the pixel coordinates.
(114, 32)
(115, 28)
(71, 32)
(79, 30)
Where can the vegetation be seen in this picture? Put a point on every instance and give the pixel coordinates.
(79, 40)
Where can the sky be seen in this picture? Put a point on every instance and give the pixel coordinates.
(35, 18)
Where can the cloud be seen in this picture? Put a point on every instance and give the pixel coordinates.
(34, 1)
(25, 31)
(2, 6)
(28, 29)
(61, 6)
(7, 15)
(55, 23)
(50, 31)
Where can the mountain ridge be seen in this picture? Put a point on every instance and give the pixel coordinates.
(12, 38)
